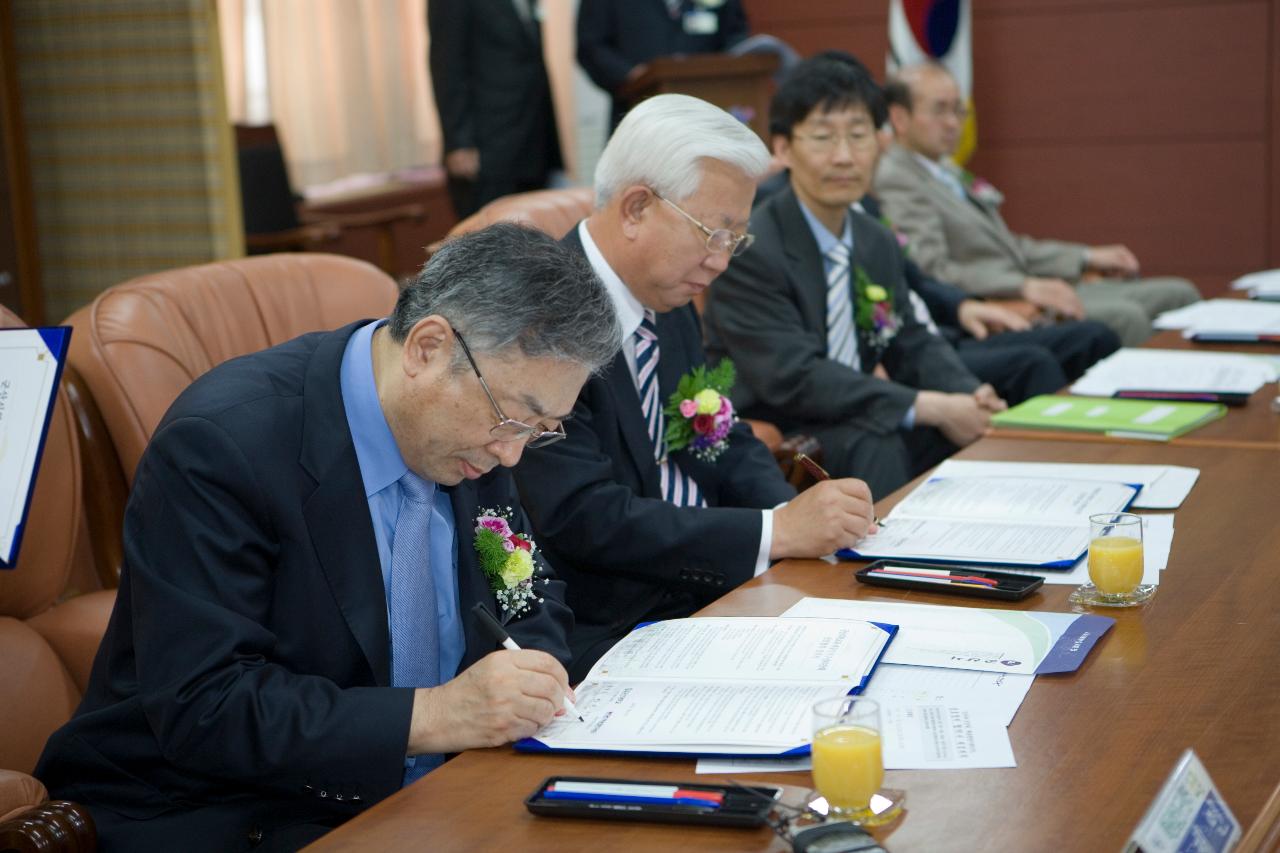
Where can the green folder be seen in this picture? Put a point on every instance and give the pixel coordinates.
(1155, 419)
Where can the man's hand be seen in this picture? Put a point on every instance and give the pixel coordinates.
(957, 416)
(1055, 295)
(981, 319)
(832, 515)
(502, 697)
(463, 163)
(1114, 260)
(988, 400)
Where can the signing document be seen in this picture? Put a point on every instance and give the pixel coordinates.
(30, 365)
(722, 686)
(1021, 521)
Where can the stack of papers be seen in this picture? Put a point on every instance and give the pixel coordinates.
(1182, 374)
(1157, 542)
(1260, 285)
(953, 679)
(1224, 320)
(1020, 521)
(1148, 419)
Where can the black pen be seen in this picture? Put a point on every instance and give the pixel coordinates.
(819, 473)
(494, 629)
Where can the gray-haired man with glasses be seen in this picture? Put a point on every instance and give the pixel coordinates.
(640, 530)
(292, 640)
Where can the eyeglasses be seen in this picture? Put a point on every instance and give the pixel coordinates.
(508, 429)
(945, 109)
(824, 142)
(719, 240)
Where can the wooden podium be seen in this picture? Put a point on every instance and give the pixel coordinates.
(739, 84)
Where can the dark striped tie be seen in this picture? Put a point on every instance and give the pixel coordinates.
(677, 487)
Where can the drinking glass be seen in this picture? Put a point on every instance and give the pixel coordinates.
(1115, 562)
(847, 766)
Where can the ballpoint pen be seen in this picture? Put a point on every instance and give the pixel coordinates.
(819, 473)
(494, 628)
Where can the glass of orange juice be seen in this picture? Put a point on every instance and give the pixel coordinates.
(1115, 562)
(848, 769)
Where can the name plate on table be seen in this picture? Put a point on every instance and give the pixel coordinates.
(1188, 814)
(30, 367)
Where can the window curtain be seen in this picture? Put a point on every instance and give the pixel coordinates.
(346, 82)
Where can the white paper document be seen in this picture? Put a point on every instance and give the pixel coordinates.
(913, 737)
(1157, 542)
(720, 685)
(1018, 641)
(1163, 486)
(28, 385)
(1223, 317)
(1260, 285)
(997, 694)
(1025, 521)
(1180, 371)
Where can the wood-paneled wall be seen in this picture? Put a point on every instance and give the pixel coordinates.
(1150, 122)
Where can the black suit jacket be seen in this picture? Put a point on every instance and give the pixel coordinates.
(626, 554)
(616, 35)
(491, 88)
(768, 313)
(243, 682)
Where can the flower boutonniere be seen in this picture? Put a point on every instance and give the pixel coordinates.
(874, 312)
(981, 188)
(699, 414)
(507, 559)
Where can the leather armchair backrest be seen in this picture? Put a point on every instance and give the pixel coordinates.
(551, 211)
(139, 344)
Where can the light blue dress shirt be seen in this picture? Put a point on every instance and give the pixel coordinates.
(381, 467)
(826, 241)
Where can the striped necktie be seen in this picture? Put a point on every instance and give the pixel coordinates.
(677, 487)
(842, 344)
(415, 645)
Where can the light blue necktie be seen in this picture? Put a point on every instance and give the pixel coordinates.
(677, 487)
(842, 344)
(415, 645)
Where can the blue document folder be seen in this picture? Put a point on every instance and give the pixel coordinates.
(566, 737)
(31, 362)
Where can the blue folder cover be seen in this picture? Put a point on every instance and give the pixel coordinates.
(56, 339)
(531, 744)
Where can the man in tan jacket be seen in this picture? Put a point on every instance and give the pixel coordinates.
(956, 233)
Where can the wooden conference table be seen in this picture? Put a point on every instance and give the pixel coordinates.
(1198, 666)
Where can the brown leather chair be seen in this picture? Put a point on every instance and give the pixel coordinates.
(556, 212)
(139, 344)
(47, 644)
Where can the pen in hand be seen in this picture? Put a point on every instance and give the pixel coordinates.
(819, 473)
(494, 628)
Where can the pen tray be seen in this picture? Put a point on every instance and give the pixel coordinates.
(739, 808)
(1010, 587)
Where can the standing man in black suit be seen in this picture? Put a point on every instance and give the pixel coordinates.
(641, 531)
(292, 640)
(616, 38)
(493, 97)
(820, 301)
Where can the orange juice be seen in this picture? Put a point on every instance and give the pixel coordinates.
(847, 767)
(1115, 564)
